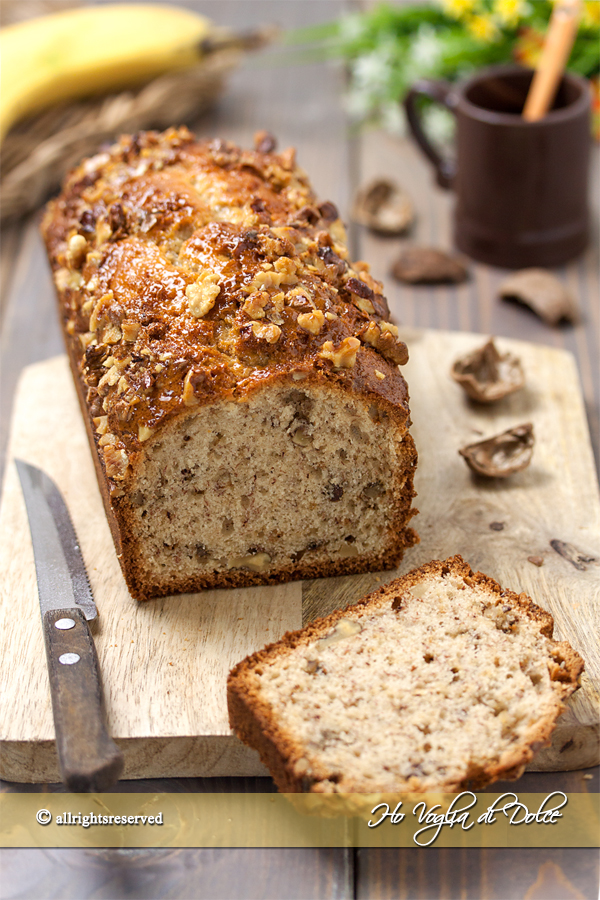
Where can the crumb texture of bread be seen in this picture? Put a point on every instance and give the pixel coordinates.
(238, 373)
(439, 681)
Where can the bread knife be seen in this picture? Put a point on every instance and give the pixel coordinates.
(89, 759)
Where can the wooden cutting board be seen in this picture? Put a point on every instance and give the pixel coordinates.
(164, 663)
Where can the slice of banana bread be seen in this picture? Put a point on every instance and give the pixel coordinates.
(440, 681)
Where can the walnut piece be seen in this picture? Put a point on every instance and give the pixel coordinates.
(345, 355)
(202, 294)
(312, 321)
(254, 306)
(76, 249)
(256, 562)
(344, 628)
(384, 338)
(130, 331)
(144, 433)
(486, 375)
(268, 333)
(501, 455)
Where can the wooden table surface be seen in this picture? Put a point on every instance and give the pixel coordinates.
(301, 104)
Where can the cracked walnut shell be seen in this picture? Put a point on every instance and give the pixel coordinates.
(501, 455)
(486, 375)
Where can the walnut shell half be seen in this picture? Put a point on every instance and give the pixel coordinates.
(501, 455)
(384, 207)
(543, 292)
(487, 375)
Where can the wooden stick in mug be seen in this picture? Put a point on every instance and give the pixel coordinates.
(555, 53)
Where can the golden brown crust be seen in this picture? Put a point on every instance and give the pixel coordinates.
(252, 719)
(190, 272)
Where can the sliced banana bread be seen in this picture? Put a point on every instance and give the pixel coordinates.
(439, 681)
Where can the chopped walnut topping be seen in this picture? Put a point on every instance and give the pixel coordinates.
(264, 142)
(144, 433)
(285, 265)
(267, 279)
(312, 321)
(94, 258)
(86, 339)
(109, 379)
(76, 247)
(111, 334)
(269, 333)
(255, 304)
(331, 316)
(115, 461)
(64, 278)
(365, 305)
(189, 396)
(299, 296)
(371, 334)
(345, 355)
(103, 232)
(384, 338)
(202, 294)
(101, 424)
(130, 331)
(288, 158)
(104, 299)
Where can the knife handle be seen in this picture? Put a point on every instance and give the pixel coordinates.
(89, 759)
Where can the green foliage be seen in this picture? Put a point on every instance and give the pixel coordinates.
(388, 47)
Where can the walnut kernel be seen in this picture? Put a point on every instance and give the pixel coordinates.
(312, 321)
(269, 333)
(345, 355)
(202, 294)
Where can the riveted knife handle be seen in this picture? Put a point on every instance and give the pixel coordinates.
(89, 759)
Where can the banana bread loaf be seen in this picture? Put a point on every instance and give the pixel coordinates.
(441, 681)
(238, 374)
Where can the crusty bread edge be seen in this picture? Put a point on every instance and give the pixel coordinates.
(251, 719)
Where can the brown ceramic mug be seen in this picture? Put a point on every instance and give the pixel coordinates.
(521, 187)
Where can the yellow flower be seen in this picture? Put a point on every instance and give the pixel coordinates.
(528, 47)
(591, 13)
(508, 12)
(483, 28)
(459, 9)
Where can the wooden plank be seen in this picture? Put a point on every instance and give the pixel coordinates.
(218, 874)
(165, 662)
(470, 874)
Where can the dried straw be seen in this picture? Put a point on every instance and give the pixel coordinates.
(37, 153)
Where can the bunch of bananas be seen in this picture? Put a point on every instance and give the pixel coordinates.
(93, 50)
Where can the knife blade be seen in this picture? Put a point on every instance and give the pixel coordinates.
(89, 759)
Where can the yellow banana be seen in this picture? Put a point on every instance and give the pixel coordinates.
(73, 54)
